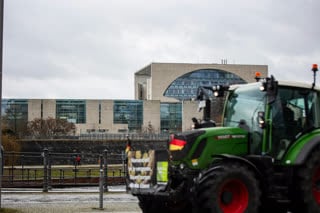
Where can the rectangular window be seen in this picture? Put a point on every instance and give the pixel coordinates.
(15, 113)
(72, 110)
(171, 117)
(128, 112)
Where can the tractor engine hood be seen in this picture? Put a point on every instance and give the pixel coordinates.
(196, 146)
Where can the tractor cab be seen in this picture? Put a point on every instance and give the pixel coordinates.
(293, 114)
(275, 116)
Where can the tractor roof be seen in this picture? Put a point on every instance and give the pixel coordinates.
(298, 84)
(282, 83)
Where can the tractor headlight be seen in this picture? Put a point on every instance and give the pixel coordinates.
(200, 176)
(182, 166)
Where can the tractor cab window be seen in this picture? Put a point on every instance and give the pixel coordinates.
(292, 113)
(243, 106)
(242, 109)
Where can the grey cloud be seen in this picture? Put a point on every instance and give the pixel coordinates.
(76, 40)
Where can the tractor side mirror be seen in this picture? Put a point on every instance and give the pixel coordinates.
(270, 85)
(261, 120)
(201, 105)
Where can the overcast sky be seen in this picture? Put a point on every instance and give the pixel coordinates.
(90, 49)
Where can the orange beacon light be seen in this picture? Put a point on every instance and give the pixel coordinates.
(257, 76)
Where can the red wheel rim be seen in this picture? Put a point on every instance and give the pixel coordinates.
(316, 185)
(233, 197)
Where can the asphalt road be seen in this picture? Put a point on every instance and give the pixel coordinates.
(65, 201)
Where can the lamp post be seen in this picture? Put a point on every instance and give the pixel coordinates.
(1, 57)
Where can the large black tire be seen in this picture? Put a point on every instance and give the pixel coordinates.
(232, 188)
(308, 200)
(268, 206)
(183, 206)
(150, 204)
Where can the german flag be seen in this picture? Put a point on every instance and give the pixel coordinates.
(128, 146)
(176, 144)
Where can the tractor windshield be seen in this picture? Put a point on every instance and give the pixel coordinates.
(242, 107)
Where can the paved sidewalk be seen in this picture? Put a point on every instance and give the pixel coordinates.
(68, 201)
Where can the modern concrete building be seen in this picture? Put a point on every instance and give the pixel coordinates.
(164, 94)
(171, 82)
(104, 116)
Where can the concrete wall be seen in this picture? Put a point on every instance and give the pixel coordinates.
(34, 109)
(92, 114)
(49, 108)
(151, 115)
(190, 110)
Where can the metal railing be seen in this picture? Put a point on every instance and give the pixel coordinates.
(120, 136)
(50, 171)
(105, 136)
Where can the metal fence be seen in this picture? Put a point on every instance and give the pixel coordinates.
(121, 136)
(108, 136)
(62, 169)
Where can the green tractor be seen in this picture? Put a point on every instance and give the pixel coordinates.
(265, 157)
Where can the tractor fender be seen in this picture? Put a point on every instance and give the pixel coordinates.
(250, 165)
(307, 149)
(227, 157)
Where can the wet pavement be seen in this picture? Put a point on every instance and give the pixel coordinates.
(69, 200)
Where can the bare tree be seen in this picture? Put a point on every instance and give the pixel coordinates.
(50, 128)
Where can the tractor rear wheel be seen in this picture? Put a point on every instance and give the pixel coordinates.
(309, 185)
(232, 188)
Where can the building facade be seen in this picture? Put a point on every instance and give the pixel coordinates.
(103, 116)
(164, 100)
(172, 82)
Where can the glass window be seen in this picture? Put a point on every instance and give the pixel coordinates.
(242, 108)
(15, 113)
(14, 105)
(128, 112)
(294, 111)
(243, 105)
(72, 110)
(204, 77)
(171, 117)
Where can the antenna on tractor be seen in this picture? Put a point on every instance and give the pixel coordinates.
(314, 69)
